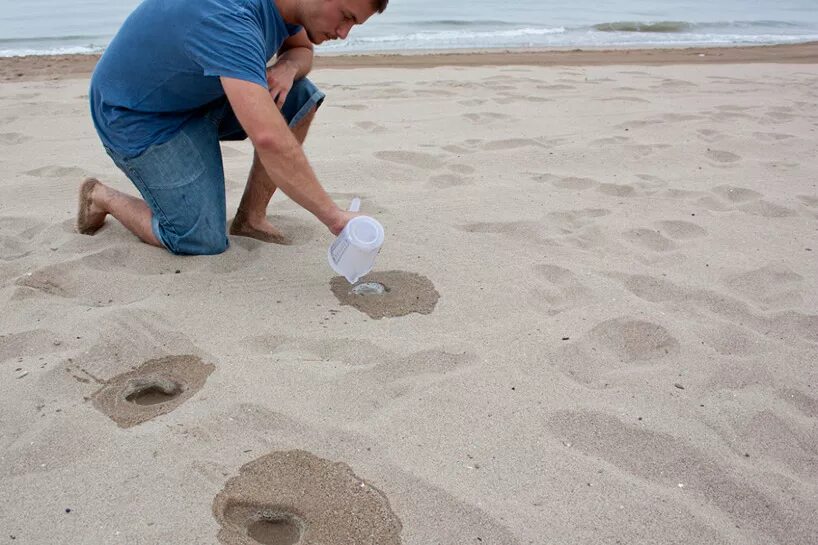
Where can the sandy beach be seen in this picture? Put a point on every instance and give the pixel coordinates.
(602, 323)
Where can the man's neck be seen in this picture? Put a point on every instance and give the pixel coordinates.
(287, 9)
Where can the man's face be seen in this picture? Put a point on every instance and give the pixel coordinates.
(333, 19)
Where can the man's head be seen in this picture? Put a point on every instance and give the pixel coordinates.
(333, 19)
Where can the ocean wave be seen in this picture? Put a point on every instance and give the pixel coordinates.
(639, 26)
(53, 39)
(445, 37)
(463, 23)
(66, 50)
(673, 27)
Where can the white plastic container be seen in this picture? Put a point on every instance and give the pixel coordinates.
(353, 253)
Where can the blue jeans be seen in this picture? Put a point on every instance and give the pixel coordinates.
(182, 180)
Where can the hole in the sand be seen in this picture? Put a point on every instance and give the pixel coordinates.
(370, 288)
(275, 529)
(152, 392)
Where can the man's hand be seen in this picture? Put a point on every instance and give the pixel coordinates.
(340, 220)
(280, 80)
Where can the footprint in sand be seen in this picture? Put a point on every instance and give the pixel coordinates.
(810, 201)
(652, 181)
(516, 228)
(353, 107)
(772, 136)
(616, 190)
(736, 194)
(650, 239)
(509, 144)
(777, 115)
(767, 209)
(663, 460)
(805, 403)
(556, 87)
(347, 367)
(461, 168)
(710, 135)
(443, 181)
(722, 157)
(772, 437)
(433, 93)
(371, 127)
(486, 117)
(411, 158)
(638, 123)
(617, 345)
(457, 150)
(576, 219)
(154, 388)
(611, 141)
(671, 84)
(676, 118)
(562, 290)
(731, 340)
(780, 326)
(569, 182)
(472, 102)
(137, 260)
(681, 230)
(401, 293)
(25, 344)
(12, 248)
(774, 286)
(78, 282)
(643, 150)
(291, 497)
(12, 138)
(465, 147)
(626, 99)
(53, 171)
(633, 340)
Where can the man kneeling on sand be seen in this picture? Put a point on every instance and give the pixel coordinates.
(181, 75)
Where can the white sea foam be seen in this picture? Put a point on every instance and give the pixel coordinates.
(54, 26)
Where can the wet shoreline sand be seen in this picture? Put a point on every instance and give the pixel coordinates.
(55, 67)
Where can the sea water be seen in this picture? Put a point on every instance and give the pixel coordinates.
(86, 26)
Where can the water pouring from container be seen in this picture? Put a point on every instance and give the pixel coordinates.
(353, 253)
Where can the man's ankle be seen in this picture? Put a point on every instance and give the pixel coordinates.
(249, 218)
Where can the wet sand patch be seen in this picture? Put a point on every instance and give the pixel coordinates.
(293, 497)
(404, 293)
(154, 388)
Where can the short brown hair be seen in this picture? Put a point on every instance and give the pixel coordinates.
(379, 5)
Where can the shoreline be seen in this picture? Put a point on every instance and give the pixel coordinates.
(59, 67)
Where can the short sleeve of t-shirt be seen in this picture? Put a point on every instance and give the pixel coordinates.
(229, 44)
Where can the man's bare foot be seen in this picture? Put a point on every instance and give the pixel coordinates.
(90, 217)
(260, 230)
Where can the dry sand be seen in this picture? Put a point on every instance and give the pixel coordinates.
(623, 351)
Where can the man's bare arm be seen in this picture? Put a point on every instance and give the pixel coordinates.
(297, 51)
(280, 152)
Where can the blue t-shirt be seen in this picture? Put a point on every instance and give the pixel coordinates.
(163, 66)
